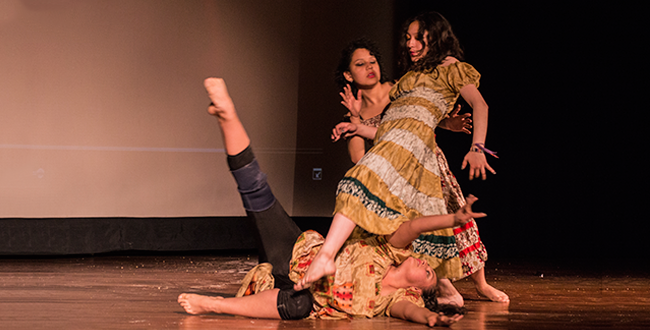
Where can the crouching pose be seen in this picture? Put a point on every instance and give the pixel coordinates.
(374, 276)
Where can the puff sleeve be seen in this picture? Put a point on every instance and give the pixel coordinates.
(460, 74)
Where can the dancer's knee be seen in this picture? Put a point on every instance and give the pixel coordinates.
(294, 305)
(253, 188)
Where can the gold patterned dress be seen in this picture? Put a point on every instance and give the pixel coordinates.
(355, 289)
(402, 176)
(469, 247)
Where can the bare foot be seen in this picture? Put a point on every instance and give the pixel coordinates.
(454, 300)
(321, 266)
(198, 304)
(492, 293)
(234, 135)
(448, 294)
(222, 105)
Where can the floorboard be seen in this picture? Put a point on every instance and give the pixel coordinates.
(139, 292)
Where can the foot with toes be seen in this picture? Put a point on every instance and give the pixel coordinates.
(197, 304)
(492, 293)
(222, 106)
(320, 267)
(448, 295)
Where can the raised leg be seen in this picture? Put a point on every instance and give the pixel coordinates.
(277, 232)
(234, 135)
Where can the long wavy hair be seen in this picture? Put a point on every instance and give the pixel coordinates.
(346, 58)
(441, 40)
(430, 297)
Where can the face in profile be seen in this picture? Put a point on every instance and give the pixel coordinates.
(364, 69)
(417, 48)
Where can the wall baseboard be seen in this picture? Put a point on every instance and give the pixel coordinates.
(72, 236)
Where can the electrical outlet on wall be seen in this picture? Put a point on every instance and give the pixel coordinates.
(317, 173)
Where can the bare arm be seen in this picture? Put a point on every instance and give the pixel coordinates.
(454, 122)
(356, 148)
(410, 230)
(476, 160)
(347, 130)
(356, 144)
(407, 310)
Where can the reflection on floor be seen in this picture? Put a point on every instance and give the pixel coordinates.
(139, 292)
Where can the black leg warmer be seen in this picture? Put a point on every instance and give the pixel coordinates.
(294, 305)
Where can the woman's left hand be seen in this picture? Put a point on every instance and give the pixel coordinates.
(465, 213)
(477, 165)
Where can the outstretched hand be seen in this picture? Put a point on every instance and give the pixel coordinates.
(465, 213)
(477, 165)
(457, 123)
(351, 102)
(343, 129)
(443, 320)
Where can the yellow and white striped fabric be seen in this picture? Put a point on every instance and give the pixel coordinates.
(398, 179)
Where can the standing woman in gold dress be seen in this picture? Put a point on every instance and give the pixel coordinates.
(360, 73)
(399, 178)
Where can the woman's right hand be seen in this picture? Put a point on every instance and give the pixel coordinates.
(352, 103)
(343, 129)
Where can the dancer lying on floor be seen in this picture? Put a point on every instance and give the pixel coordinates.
(375, 276)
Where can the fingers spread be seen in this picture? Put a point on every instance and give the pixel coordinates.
(455, 111)
(478, 215)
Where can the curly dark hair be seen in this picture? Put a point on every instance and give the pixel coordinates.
(430, 297)
(441, 40)
(346, 58)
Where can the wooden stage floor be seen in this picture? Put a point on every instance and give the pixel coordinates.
(139, 292)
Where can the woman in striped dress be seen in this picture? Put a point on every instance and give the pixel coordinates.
(399, 178)
(360, 73)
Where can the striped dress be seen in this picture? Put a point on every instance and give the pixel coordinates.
(399, 178)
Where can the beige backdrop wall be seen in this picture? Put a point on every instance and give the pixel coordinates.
(102, 109)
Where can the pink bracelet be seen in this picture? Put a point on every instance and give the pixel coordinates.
(480, 147)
